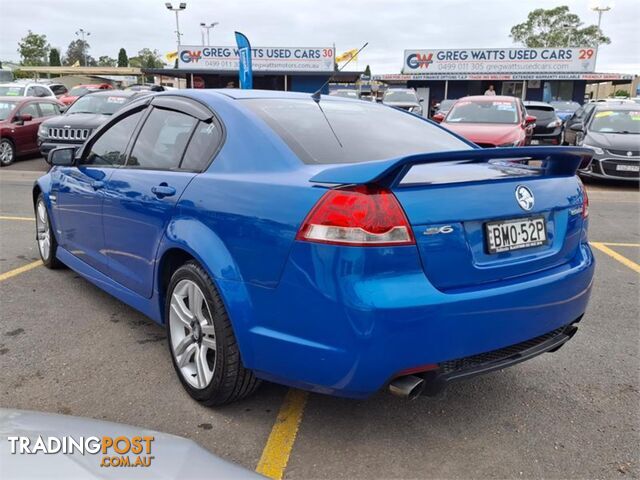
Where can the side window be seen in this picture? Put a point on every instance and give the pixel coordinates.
(41, 92)
(30, 109)
(48, 109)
(203, 145)
(579, 113)
(110, 148)
(162, 140)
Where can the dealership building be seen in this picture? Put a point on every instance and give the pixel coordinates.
(299, 69)
(543, 74)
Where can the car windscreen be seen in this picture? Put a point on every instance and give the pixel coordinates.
(11, 91)
(565, 106)
(350, 132)
(58, 89)
(543, 114)
(616, 121)
(5, 108)
(400, 96)
(102, 104)
(485, 111)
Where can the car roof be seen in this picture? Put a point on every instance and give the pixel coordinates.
(238, 94)
(489, 98)
(532, 103)
(618, 106)
(20, 98)
(112, 93)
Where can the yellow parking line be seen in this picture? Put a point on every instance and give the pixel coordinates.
(616, 244)
(275, 455)
(615, 255)
(17, 271)
(21, 219)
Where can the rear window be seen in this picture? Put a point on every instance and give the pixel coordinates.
(11, 91)
(350, 132)
(542, 114)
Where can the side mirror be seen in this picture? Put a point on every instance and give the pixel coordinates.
(438, 117)
(529, 120)
(62, 156)
(421, 100)
(577, 127)
(21, 118)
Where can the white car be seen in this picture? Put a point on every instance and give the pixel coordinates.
(16, 89)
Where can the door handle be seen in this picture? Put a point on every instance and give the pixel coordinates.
(163, 190)
(97, 184)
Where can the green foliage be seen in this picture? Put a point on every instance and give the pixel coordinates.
(556, 27)
(33, 49)
(147, 58)
(123, 60)
(367, 71)
(107, 61)
(76, 53)
(54, 58)
(621, 93)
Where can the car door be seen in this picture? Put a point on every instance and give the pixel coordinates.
(26, 131)
(140, 198)
(78, 191)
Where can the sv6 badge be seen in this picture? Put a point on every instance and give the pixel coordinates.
(438, 230)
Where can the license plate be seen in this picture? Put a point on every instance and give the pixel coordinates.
(535, 142)
(515, 234)
(628, 168)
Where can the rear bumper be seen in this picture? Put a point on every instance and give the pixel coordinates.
(331, 326)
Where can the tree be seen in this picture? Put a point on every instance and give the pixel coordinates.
(367, 71)
(76, 53)
(123, 60)
(147, 58)
(556, 27)
(106, 61)
(54, 57)
(33, 49)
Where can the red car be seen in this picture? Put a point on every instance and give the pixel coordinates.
(490, 121)
(20, 118)
(80, 90)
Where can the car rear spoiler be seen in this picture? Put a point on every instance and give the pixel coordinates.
(554, 161)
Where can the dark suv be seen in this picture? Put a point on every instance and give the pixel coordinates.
(548, 126)
(82, 118)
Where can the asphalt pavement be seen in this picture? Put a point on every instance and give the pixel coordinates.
(67, 347)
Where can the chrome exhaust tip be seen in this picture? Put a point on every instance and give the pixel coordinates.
(409, 387)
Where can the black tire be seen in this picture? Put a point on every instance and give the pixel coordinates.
(7, 152)
(49, 258)
(231, 381)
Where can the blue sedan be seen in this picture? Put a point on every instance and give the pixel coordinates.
(324, 243)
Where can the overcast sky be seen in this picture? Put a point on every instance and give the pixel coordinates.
(389, 26)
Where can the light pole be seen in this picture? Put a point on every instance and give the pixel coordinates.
(181, 6)
(600, 9)
(82, 33)
(208, 27)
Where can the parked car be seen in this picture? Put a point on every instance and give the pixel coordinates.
(58, 89)
(17, 89)
(82, 118)
(81, 90)
(613, 133)
(564, 109)
(548, 126)
(490, 121)
(582, 116)
(20, 118)
(148, 87)
(345, 93)
(404, 98)
(397, 253)
(444, 106)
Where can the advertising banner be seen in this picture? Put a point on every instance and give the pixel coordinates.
(245, 72)
(499, 60)
(294, 59)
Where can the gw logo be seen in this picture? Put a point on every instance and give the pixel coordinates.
(187, 56)
(417, 60)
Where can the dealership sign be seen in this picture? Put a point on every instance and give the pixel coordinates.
(499, 60)
(296, 59)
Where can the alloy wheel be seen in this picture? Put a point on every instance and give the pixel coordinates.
(43, 230)
(6, 153)
(193, 336)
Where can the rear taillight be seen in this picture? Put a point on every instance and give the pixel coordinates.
(585, 200)
(357, 215)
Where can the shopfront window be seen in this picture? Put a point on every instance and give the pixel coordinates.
(557, 90)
